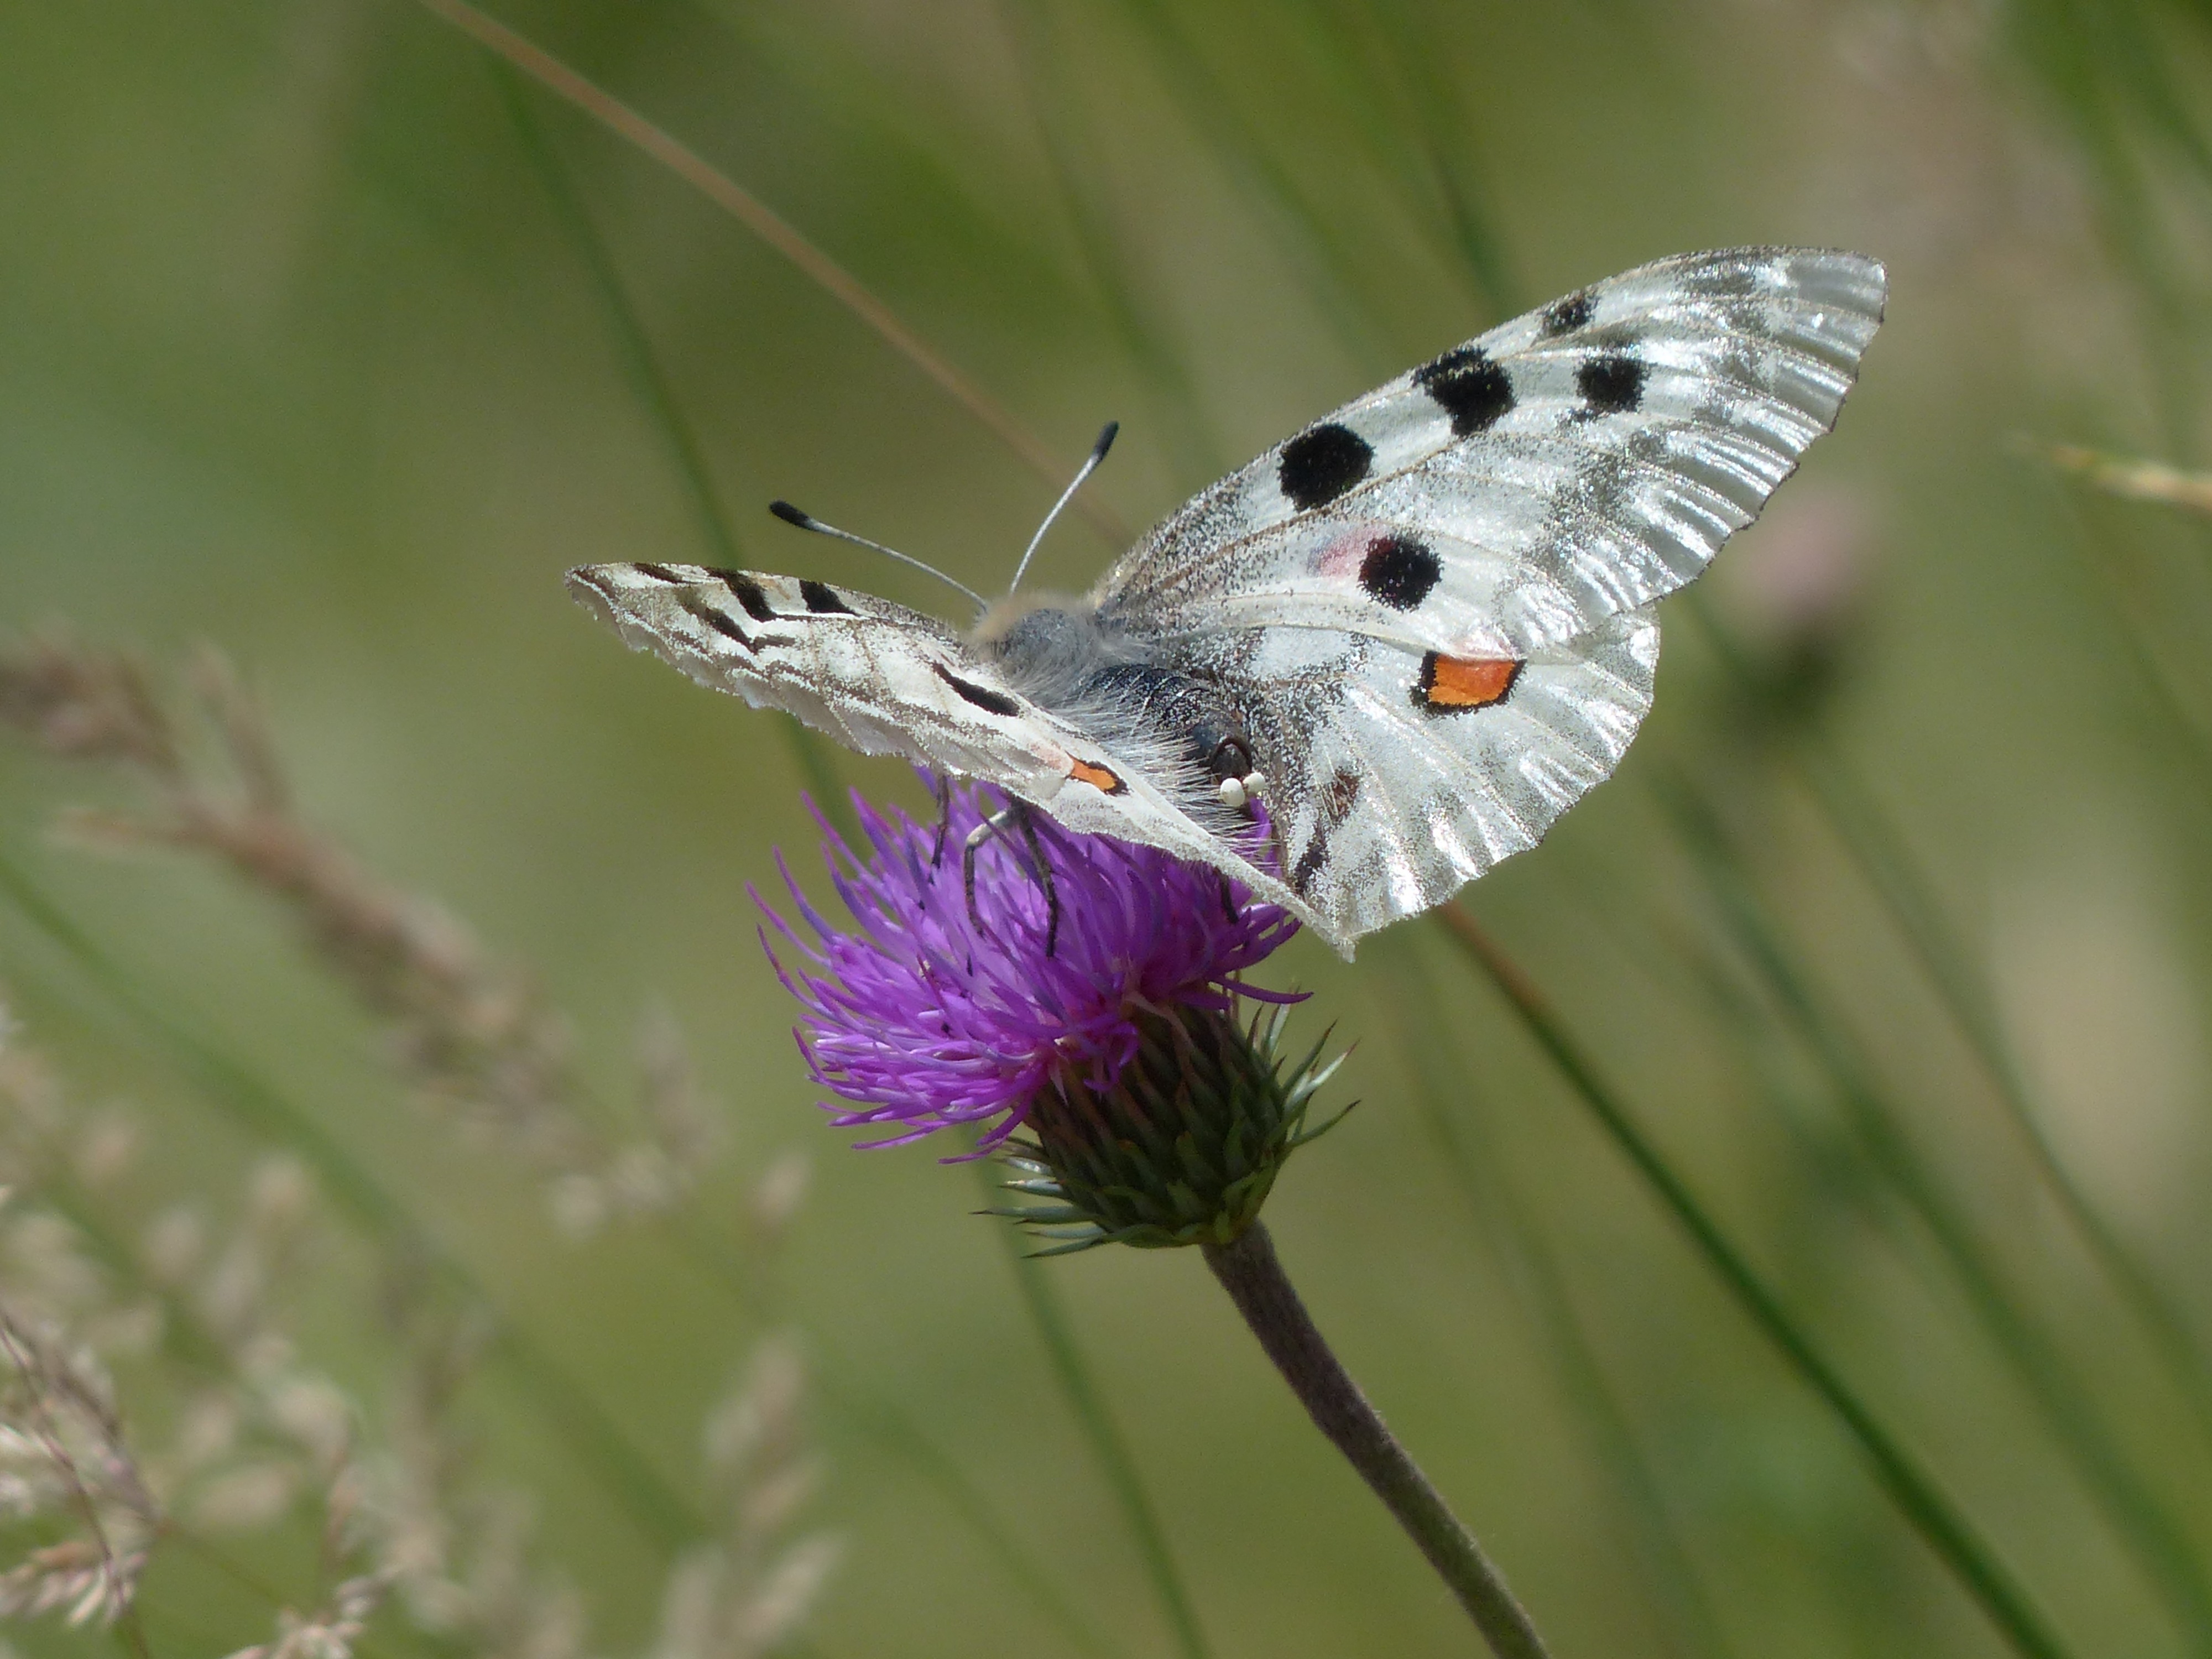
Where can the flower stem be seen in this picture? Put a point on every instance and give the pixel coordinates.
(1251, 1272)
(1112, 1453)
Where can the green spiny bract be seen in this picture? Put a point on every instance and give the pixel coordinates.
(1182, 1149)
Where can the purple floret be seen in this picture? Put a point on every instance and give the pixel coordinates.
(922, 1020)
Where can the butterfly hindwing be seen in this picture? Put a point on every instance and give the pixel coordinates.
(1575, 463)
(1394, 777)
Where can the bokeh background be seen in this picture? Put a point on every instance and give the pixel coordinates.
(327, 339)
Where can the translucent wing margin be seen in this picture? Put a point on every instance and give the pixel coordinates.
(877, 676)
(1387, 801)
(882, 679)
(1572, 464)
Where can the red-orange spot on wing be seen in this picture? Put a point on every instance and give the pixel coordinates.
(1456, 683)
(1097, 777)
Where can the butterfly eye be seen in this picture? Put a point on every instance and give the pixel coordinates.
(1229, 759)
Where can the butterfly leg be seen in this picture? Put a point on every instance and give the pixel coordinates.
(1042, 871)
(944, 827)
(973, 844)
(1015, 816)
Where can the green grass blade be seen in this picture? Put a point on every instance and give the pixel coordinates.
(777, 233)
(894, 1428)
(1496, 1209)
(1884, 861)
(2136, 609)
(1430, 158)
(808, 751)
(1330, 272)
(2108, 71)
(623, 323)
(1393, 68)
(1146, 335)
(234, 1089)
(1120, 1468)
(1882, 857)
(2161, 1546)
(1946, 1530)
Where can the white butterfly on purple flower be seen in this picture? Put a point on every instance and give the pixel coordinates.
(1418, 631)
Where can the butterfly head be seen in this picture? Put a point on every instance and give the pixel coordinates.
(1048, 646)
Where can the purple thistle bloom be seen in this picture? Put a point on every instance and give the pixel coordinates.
(923, 1020)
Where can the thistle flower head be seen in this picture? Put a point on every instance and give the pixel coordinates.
(923, 1015)
(1159, 1116)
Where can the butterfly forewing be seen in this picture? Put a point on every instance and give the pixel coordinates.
(877, 676)
(882, 679)
(1575, 463)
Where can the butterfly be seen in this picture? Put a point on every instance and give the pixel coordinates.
(1414, 633)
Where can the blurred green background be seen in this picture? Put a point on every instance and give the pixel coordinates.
(319, 340)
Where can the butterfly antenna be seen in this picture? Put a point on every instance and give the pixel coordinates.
(790, 514)
(1098, 454)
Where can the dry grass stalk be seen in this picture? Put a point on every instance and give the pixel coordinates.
(329, 1632)
(406, 1522)
(64, 1456)
(741, 1595)
(63, 1451)
(474, 1036)
(407, 1525)
(255, 1432)
(2127, 476)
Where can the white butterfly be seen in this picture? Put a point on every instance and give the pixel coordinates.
(1418, 630)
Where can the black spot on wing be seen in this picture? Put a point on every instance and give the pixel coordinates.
(747, 593)
(1565, 316)
(992, 703)
(1469, 387)
(1322, 462)
(1400, 572)
(659, 573)
(723, 624)
(1611, 384)
(822, 599)
(1309, 864)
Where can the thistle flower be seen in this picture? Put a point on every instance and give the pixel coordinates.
(1091, 991)
(1160, 1117)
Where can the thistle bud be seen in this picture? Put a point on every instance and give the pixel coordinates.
(1184, 1145)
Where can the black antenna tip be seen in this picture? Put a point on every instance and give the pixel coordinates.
(1105, 441)
(790, 514)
